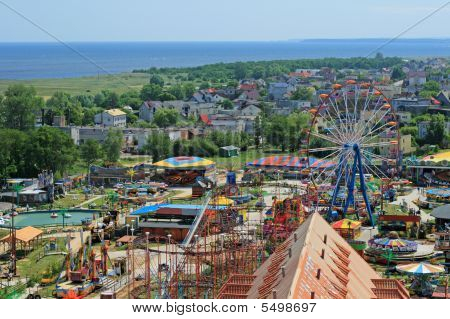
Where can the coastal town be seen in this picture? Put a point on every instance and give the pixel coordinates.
(305, 179)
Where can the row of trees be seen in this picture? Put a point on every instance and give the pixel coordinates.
(224, 72)
(159, 145)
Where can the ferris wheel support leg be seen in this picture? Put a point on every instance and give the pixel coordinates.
(350, 189)
(336, 189)
(363, 185)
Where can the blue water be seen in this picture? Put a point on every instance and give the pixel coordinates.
(42, 218)
(54, 60)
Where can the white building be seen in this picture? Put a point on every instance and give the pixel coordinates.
(111, 118)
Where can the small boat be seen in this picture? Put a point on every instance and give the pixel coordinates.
(67, 215)
(54, 215)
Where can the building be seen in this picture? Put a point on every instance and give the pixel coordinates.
(411, 104)
(416, 78)
(148, 109)
(111, 118)
(443, 98)
(229, 151)
(280, 90)
(315, 262)
(402, 224)
(390, 151)
(404, 117)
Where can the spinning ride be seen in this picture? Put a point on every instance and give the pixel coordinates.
(355, 127)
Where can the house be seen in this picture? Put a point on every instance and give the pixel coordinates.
(416, 78)
(280, 90)
(411, 104)
(224, 122)
(443, 98)
(250, 95)
(229, 92)
(315, 262)
(229, 151)
(148, 109)
(403, 117)
(111, 118)
(249, 110)
(206, 96)
(286, 107)
(390, 151)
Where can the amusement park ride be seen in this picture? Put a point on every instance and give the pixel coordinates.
(354, 127)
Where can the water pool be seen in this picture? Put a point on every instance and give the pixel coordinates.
(42, 218)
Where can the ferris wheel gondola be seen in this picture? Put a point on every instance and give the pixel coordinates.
(354, 127)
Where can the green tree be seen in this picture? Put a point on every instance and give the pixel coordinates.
(158, 145)
(240, 71)
(50, 149)
(12, 144)
(397, 73)
(165, 117)
(19, 106)
(62, 103)
(430, 88)
(189, 89)
(165, 96)
(227, 104)
(113, 145)
(156, 79)
(435, 132)
(130, 98)
(177, 91)
(90, 152)
(151, 92)
(302, 93)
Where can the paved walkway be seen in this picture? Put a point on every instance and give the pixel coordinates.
(413, 196)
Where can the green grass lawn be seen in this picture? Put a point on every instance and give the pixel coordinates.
(29, 266)
(119, 83)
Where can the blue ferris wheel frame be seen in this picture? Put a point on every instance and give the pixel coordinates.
(357, 166)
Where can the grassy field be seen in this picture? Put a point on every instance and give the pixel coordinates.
(119, 83)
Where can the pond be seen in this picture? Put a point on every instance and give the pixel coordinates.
(43, 218)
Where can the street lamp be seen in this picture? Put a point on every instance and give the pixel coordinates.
(128, 226)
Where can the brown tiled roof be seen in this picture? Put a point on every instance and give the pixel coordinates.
(316, 262)
(25, 235)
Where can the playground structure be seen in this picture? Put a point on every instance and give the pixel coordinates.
(82, 272)
(355, 127)
(222, 243)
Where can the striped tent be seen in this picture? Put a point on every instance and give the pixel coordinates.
(421, 268)
(346, 223)
(292, 162)
(184, 162)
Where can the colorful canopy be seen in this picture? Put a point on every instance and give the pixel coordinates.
(421, 268)
(444, 156)
(290, 162)
(442, 192)
(222, 201)
(184, 162)
(398, 244)
(347, 224)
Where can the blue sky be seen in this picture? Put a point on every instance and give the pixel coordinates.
(226, 20)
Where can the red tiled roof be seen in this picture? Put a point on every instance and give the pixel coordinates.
(205, 119)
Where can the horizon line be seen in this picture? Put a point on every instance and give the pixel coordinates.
(225, 41)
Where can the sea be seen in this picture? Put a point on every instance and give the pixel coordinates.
(79, 59)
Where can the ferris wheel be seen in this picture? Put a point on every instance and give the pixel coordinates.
(354, 136)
